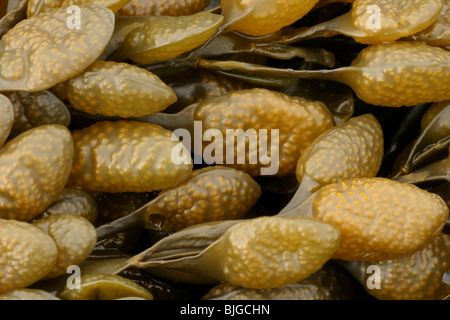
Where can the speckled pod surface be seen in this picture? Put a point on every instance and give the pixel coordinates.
(167, 37)
(281, 251)
(209, 194)
(34, 168)
(415, 277)
(42, 51)
(74, 236)
(401, 73)
(349, 150)
(262, 17)
(126, 156)
(27, 254)
(163, 8)
(118, 89)
(380, 219)
(298, 121)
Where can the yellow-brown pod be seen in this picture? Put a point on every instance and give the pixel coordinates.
(46, 49)
(123, 26)
(349, 150)
(126, 156)
(7, 118)
(163, 8)
(32, 109)
(379, 218)
(260, 253)
(296, 120)
(262, 17)
(302, 290)
(74, 201)
(167, 37)
(75, 238)
(113, 5)
(27, 254)
(27, 294)
(34, 168)
(438, 34)
(416, 277)
(399, 74)
(210, 194)
(387, 20)
(105, 287)
(271, 252)
(118, 89)
(376, 21)
(38, 6)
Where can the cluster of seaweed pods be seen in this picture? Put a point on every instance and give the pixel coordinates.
(96, 97)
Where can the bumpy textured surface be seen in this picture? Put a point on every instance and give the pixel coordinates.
(32, 109)
(74, 201)
(418, 276)
(27, 294)
(396, 18)
(167, 37)
(27, 254)
(304, 290)
(126, 156)
(113, 5)
(37, 6)
(210, 194)
(350, 150)
(438, 34)
(271, 252)
(380, 219)
(401, 73)
(163, 8)
(298, 121)
(119, 89)
(7, 118)
(105, 287)
(42, 51)
(34, 168)
(75, 238)
(262, 17)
